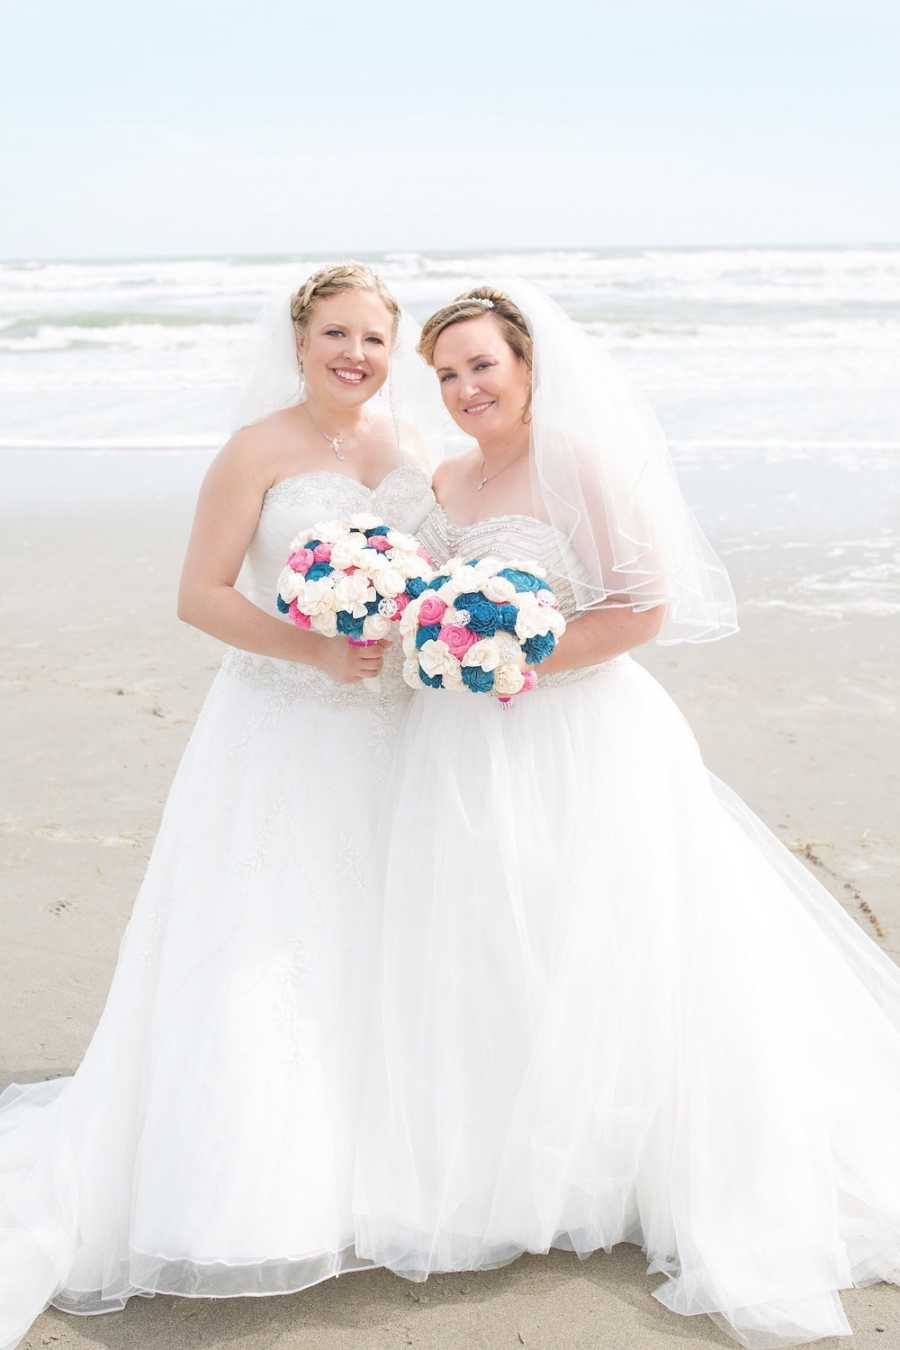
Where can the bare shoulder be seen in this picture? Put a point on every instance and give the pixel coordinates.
(252, 455)
(450, 473)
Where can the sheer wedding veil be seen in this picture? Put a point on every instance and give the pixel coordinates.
(408, 396)
(603, 477)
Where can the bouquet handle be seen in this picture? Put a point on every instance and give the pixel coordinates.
(373, 683)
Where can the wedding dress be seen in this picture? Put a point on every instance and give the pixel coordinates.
(205, 1144)
(615, 1008)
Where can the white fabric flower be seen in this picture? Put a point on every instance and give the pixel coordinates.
(405, 542)
(376, 627)
(364, 520)
(409, 619)
(390, 582)
(409, 644)
(290, 584)
(467, 578)
(411, 565)
(510, 649)
(349, 552)
(449, 590)
(556, 622)
(353, 592)
(499, 589)
(329, 531)
(533, 619)
(317, 597)
(526, 565)
(487, 566)
(508, 680)
(433, 656)
(485, 654)
(452, 674)
(325, 623)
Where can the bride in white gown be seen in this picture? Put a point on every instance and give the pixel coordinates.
(613, 1006)
(205, 1144)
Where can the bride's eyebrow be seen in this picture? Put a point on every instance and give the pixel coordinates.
(470, 361)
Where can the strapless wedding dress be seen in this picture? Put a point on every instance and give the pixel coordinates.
(615, 1008)
(205, 1144)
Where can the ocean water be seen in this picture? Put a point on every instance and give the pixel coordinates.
(775, 371)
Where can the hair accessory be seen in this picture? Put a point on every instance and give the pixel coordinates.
(476, 300)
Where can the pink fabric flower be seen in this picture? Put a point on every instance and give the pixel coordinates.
(300, 619)
(302, 560)
(380, 543)
(423, 553)
(431, 611)
(322, 553)
(458, 639)
(401, 601)
(530, 681)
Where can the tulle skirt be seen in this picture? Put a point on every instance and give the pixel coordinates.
(205, 1145)
(613, 1007)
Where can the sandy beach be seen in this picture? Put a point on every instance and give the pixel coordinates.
(101, 686)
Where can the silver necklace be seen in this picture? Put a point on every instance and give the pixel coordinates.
(489, 477)
(334, 441)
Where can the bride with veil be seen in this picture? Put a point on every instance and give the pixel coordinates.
(205, 1144)
(614, 1008)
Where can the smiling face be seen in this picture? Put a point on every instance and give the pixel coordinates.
(345, 347)
(484, 384)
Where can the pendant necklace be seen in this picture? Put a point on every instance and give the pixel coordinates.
(489, 477)
(334, 441)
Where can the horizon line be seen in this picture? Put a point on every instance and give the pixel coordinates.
(315, 254)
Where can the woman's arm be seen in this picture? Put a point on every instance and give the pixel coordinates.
(602, 634)
(225, 520)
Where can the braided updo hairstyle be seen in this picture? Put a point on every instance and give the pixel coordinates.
(467, 306)
(328, 281)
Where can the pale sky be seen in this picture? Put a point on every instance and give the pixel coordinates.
(223, 126)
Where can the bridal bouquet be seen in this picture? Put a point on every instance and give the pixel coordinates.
(481, 627)
(352, 577)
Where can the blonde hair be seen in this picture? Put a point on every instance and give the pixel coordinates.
(467, 306)
(329, 281)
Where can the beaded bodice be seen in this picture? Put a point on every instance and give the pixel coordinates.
(403, 498)
(519, 538)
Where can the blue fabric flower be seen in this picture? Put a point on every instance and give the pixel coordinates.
(506, 617)
(537, 649)
(348, 624)
(523, 581)
(415, 586)
(372, 606)
(283, 605)
(376, 529)
(478, 680)
(433, 681)
(312, 544)
(483, 613)
(319, 570)
(431, 630)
